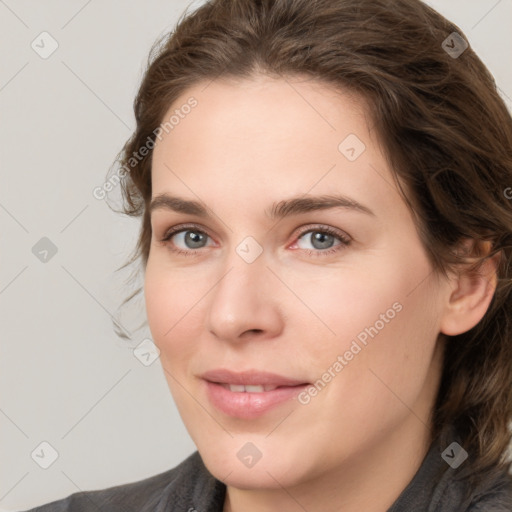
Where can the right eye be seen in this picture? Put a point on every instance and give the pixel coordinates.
(185, 240)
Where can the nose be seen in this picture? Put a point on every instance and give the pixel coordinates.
(244, 304)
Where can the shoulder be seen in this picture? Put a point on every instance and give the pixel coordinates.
(492, 494)
(495, 496)
(187, 485)
(440, 485)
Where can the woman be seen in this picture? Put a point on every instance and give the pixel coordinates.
(326, 236)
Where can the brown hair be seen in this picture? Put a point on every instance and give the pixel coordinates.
(445, 130)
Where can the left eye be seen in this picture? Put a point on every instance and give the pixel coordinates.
(320, 240)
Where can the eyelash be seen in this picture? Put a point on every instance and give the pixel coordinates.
(345, 240)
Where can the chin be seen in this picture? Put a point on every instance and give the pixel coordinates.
(254, 462)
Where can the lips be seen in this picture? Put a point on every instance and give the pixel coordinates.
(250, 378)
(251, 393)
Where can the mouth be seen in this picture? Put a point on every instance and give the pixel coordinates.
(249, 394)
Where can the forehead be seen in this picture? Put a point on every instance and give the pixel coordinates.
(276, 112)
(269, 136)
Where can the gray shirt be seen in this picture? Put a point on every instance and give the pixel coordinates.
(189, 487)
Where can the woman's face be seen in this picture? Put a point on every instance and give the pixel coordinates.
(295, 263)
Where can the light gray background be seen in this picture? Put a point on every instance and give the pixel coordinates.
(65, 378)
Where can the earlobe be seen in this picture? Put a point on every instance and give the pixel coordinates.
(471, 295)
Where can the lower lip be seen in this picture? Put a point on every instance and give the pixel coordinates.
(249, 405)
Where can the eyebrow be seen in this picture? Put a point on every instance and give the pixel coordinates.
(284, 208)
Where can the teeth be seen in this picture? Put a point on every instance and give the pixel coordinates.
(254, 389)
(240, 388)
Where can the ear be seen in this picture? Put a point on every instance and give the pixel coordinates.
(471, 292)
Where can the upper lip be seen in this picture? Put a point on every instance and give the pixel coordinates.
(249, 378)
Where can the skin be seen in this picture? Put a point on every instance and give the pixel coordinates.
(296, 308)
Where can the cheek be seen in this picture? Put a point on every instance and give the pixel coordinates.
(387, 360)
(349, 304)
(177, 302)
(172, 302)
(159, 303)
(382, 314)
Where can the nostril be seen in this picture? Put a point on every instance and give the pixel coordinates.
(256, 331)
